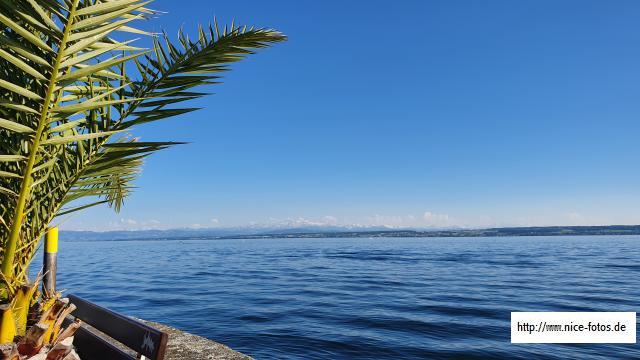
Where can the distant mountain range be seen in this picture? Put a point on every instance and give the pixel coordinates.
(346, 232)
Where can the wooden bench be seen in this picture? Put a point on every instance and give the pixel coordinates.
(145, 341)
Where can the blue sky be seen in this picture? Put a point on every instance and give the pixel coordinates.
(405, 113)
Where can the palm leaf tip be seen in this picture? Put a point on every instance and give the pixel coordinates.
(173, 69)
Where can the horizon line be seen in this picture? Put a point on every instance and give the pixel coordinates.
(356, 228)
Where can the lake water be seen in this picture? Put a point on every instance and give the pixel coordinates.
(398, 298)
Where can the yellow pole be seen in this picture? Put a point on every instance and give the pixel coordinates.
(50, 262)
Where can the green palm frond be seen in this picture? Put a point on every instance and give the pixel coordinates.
(72, 85)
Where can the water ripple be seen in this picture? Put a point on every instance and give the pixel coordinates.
(362, 298)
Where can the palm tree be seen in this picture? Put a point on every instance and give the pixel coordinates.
(72, 86)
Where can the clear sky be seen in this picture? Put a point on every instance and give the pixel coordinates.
(405, 113)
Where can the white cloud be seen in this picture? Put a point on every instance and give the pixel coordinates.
(436, 220)
(391, 221)
(122, 224)
(293, 222)
(330, 220)
(428, 219)
(128, 221)
(296, 222)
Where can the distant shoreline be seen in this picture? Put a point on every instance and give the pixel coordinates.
(611, 230)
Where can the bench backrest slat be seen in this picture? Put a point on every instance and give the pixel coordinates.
(139, 337)
(90, 346)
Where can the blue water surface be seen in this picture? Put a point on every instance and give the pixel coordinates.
(381, 298)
